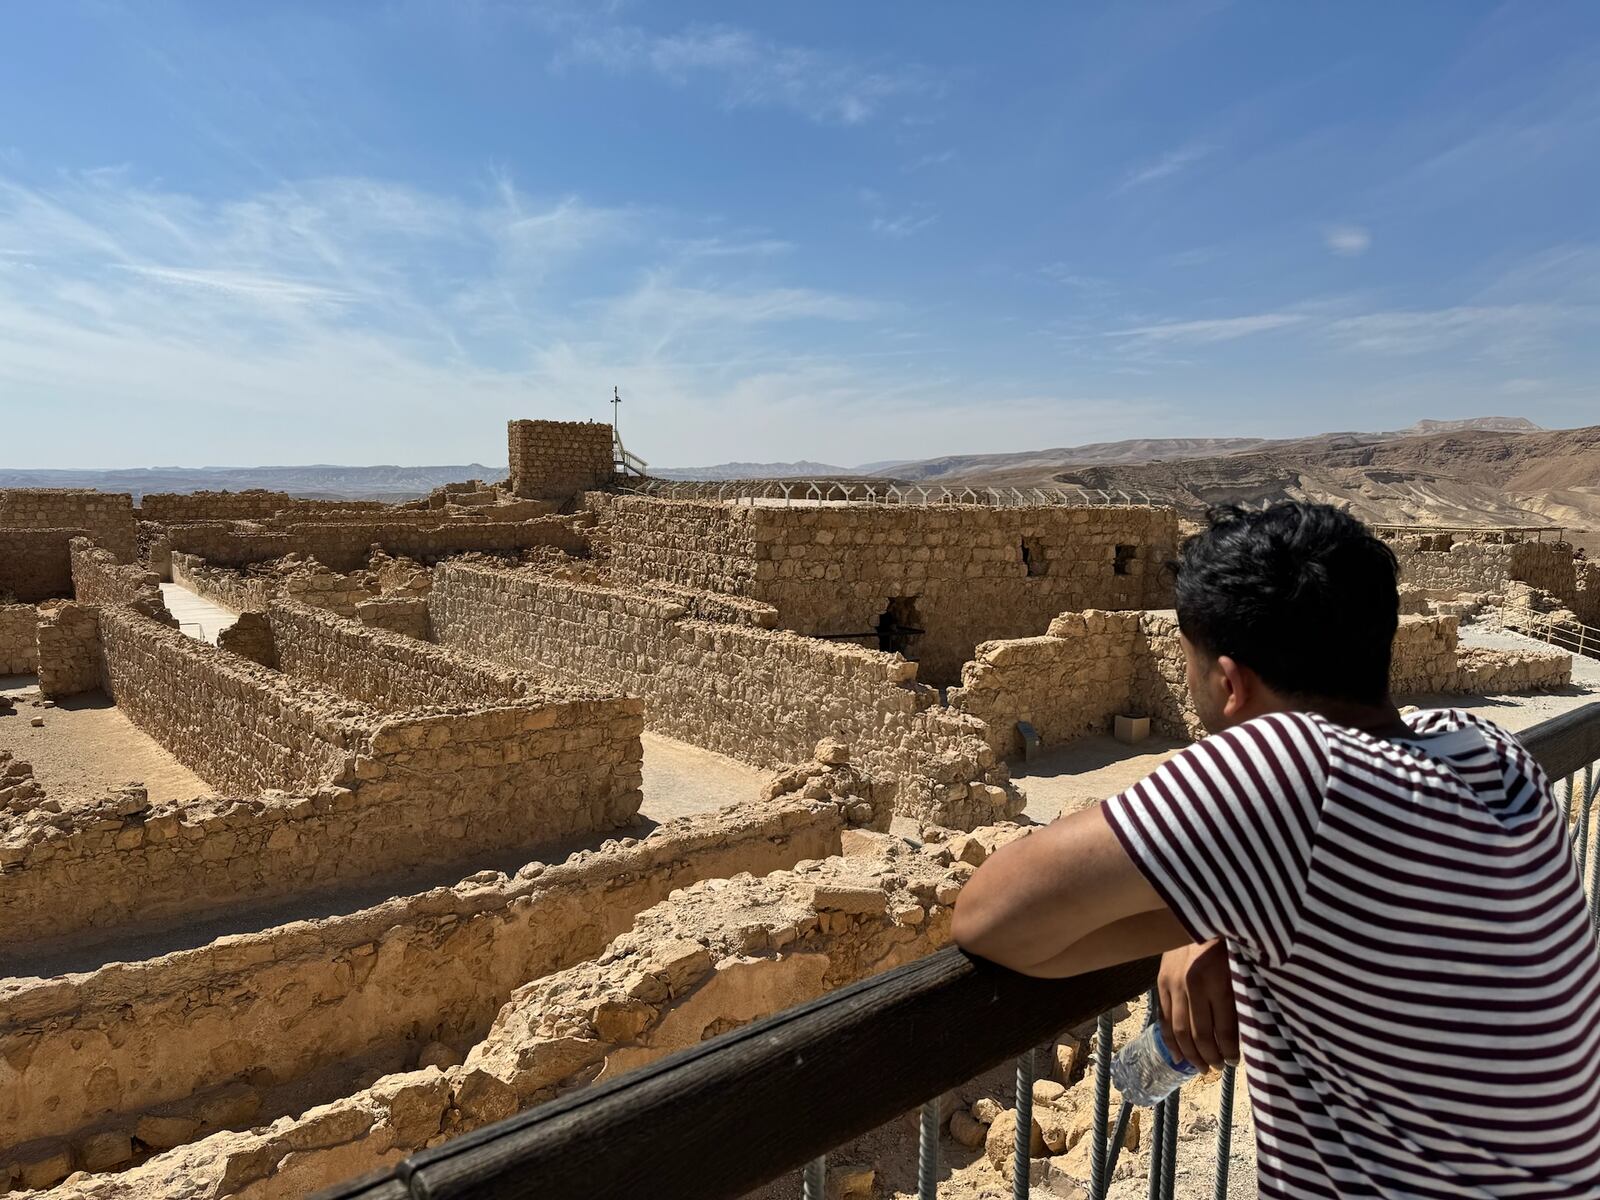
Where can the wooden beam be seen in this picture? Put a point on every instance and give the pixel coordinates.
(722, 1118)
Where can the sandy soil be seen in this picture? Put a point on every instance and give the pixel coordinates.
(87, 748)
(1085, 771)
(680, 779)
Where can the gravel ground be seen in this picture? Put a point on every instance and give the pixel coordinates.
(87, 748)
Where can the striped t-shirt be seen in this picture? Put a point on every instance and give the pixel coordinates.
(1417, 980)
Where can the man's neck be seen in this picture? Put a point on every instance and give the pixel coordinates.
(1381, 720)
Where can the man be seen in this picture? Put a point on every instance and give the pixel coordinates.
(1413, 969)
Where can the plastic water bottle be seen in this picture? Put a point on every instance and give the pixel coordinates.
(1145, 1071)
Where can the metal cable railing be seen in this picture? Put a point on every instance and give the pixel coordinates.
(715, 1121)
(1565, 633)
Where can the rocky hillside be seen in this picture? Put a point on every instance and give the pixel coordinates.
(1462, 477)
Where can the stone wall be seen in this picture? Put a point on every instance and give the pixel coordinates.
(763, 696)
(373, 987)
(555, 460)
(98, 578)
(347, 546)
(1092, 666)
(388, 670)
(19, 647)
(231, 589)
(69, 658)
(107, 517)
(1068, 683)
(489, 775)
(713, 956)
(1464, 568)
(958, 574)
(1429, 660)
(1547, 566)
(36, 564)
(407, 615)
(172, 508)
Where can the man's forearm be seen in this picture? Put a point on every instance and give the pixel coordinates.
(1138, 936)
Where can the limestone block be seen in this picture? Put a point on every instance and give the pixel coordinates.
(1131, 730)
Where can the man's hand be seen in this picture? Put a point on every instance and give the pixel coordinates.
(1198, 1019)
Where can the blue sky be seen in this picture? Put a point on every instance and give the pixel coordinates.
(363, 232)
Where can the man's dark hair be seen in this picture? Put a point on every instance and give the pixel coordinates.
(1302, 594)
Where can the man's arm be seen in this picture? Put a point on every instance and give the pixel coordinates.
(1062, 901)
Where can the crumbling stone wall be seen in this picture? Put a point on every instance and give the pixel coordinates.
(406, 615)
(107, 517)
(342, 546)
(532, 769)
(98, 578)
(387, 670)
(376, 986)
(172, 508)
(68, 640)
(555, 460)
(240, 726)
(19, 647)
(1068, 683)
(1586, 595)
(1547, 566)
(221, 585)
(1161, 684)
(713, 956)
(1461, 568)
(36, 564)
(1091, 666)
(946, 576)
(19, 790)
(763, 696)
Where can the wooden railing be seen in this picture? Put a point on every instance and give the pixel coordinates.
(720, 1119)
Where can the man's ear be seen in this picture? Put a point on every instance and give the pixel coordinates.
(1240, 686)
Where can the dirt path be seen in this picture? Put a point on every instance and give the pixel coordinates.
(680, 779)
(88, 747)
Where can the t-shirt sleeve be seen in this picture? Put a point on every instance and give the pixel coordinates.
(1224, 831)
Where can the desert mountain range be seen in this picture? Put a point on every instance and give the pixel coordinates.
(1479, 471)
(1483, 470)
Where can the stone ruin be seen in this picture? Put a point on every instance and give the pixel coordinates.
(421, 895)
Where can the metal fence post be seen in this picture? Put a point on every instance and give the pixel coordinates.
(814, 1181)
(1158, 1147)
(928, 1152)
(1021, 1159)
(1219, 1189)
(1102, 1107)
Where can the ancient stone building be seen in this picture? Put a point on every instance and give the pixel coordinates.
(422, 888)
(555, 460)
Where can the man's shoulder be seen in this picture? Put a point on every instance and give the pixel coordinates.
(1448, 720)
(1290, 743)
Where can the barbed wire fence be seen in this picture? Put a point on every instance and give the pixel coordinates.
(834, 491)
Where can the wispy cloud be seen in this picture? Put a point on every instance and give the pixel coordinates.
(903, 225)
(1218, 329)
(1498, 330)
(751, 70)
(1347, 241)
(324, 304)
(931, 160)
(1167, 165)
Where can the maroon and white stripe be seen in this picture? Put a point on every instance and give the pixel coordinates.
(1417, 979)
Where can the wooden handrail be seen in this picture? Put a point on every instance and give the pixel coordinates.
(719, 1119)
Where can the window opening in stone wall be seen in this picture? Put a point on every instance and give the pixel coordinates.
(1121, 559)
(1033, 557)
(900, 626)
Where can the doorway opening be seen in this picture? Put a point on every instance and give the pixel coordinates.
(900, 626)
